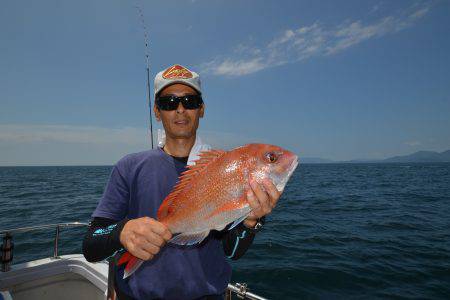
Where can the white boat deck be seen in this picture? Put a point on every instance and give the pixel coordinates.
(67, 277)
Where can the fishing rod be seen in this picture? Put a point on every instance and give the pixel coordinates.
(147, 65)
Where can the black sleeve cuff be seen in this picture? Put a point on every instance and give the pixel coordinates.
(115, 234)
(102, 239)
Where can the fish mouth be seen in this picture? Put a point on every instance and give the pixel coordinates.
(280, 186)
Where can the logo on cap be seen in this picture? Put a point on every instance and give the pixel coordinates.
(177, 71)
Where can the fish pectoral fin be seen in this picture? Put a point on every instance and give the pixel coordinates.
(236, 222)
(189, 238)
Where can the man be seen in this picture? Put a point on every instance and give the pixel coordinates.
(125, 218)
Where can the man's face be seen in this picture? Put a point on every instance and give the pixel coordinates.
(179, 123)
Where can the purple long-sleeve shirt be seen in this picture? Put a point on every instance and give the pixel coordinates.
(137, 186)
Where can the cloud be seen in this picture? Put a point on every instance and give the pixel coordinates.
(32, 144)
(236, 67)
(297, 44)
(24, 133)
(419, 13)
(132, 136)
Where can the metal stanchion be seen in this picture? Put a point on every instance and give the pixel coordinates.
(55, 250)
(7, 252)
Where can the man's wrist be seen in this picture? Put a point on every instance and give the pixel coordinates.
(258, 224)
(250, 223)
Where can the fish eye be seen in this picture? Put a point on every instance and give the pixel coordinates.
(272, 157)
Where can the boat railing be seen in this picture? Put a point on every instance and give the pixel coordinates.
(8, 246)
(6, 250)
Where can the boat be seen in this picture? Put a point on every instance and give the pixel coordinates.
(66, 276)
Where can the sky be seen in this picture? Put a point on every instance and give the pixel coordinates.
(332, 79)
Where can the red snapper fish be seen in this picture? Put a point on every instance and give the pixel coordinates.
(212, 193)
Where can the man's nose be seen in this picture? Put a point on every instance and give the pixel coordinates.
(180, 108)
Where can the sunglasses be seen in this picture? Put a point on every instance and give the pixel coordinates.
(171, 102)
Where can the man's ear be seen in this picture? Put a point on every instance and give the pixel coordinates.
(157, 113)
(202, 110)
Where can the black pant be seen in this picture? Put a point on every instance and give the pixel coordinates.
(123, 296)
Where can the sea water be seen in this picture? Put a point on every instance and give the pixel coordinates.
(339, 231)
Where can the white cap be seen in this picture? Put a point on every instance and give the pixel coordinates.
(177, 74)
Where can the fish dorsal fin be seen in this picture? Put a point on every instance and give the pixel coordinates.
(206, 158)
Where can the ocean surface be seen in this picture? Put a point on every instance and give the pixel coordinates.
(340, 231)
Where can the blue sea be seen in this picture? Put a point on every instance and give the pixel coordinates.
(340, 231)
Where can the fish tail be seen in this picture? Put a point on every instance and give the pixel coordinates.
(124, 258)
(132, 263)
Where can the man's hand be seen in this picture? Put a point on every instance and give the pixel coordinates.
(261, 201)
(144, 237)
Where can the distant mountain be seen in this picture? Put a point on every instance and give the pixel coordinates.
(421, 156)
(315, 160)
(446, 155)
(361, 161)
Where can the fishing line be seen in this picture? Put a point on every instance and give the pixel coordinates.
(147, 65)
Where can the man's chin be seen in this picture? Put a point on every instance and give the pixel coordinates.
(182, 135)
